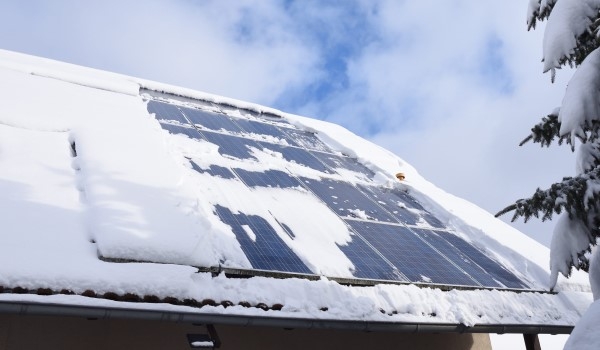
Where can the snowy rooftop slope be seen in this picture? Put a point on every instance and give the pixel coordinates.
(87, 171)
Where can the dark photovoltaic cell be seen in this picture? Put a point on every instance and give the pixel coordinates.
(214, 170)
(305, 139)
(268, 251)
(164, 111)
(268, 178)
(346, 200)
(267, 131)
(416, 260)
(457, 257)
(339, 162)
(184, 130)
(211, 121)
(298, 155)
(392, 203)
(499, 272)
(367, 263)
(236, 147)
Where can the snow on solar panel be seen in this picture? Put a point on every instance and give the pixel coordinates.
(262, 245)
(368, 263)
(393, 237)
(232, 146)
(181, 129)
(267, 178)
(164, 111)
(211, 121)
(298, 156)
(456, 257)
(499, 272)
(412, 203)
(393, 204)
(341, 164)
(410, 255)
(263, 131)
(305, 139)
(214, 170)
(346, 200)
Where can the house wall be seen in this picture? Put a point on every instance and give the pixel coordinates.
(48, 332)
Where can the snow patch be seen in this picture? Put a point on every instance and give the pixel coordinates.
(569, 238)
(568, 20)
(581, 103)
(585, 335)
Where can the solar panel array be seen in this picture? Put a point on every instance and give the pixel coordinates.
(393, 237)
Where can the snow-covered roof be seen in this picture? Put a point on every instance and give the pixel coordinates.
(102, 206)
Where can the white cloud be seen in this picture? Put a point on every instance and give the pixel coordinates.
(204, 45)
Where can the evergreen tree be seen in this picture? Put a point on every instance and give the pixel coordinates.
(570, 38)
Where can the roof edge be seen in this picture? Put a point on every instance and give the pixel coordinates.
(104, 312)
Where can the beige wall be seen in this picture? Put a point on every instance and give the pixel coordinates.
(45, 332)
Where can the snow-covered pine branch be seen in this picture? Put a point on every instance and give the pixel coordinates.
(546, 131)
(576, 196)
(571, 32)
(538, 10)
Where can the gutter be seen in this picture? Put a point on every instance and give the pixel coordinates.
(110, 313)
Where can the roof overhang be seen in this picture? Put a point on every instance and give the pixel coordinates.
(103, 312)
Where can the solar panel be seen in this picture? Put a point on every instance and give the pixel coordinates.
(368, 264)
(393, 237)
(236, 111)
(164, 111)
(412, 203)
(457, 257)
(392, 203)
(211, 121)
(183, 130)
(495, 269)
(336, 163)
(260, 242)
(267, 178)
(262, 131)
(298, 156)
(414, 259)
(346, 200)
(214, 170)
(232, 146)
(305, 139)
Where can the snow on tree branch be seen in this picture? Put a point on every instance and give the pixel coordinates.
(581, 103)
(538, 10)
(567, 39)
(546, 131)
(578, 198)
(565, 195)
(570, 241)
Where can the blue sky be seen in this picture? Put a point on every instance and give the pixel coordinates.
(451, 87)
